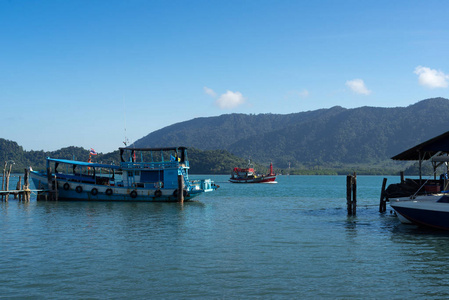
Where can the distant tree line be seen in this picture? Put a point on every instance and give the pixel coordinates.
(201, 162)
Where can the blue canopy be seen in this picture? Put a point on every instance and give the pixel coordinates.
(82, 163)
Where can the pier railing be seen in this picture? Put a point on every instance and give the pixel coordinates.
(153, 165)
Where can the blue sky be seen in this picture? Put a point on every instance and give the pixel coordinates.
(80, 72)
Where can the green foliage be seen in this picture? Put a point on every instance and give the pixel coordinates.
(201, 162)
(337, 135)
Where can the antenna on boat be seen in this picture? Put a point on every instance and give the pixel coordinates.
(126, 141)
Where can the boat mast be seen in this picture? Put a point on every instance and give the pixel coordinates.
(126, 141)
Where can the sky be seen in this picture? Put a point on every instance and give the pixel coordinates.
(94, 74)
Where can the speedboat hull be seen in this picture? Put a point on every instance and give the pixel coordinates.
(430, 211)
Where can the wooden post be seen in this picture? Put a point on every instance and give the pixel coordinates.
(354, 194)
(49, 184)
(180, 188)
(26, 185)
(349, 194)
(42, 195)
(402, 176)
(8, 173)
(55, 190)
(383, 201)
(18, 188)
(3, 179)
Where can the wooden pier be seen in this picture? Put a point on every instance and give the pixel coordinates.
(21, 192)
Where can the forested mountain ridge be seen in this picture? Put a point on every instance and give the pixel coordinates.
(209, 133)
(327, 136)
(325, 141)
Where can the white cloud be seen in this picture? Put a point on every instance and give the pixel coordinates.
(358, 86)
(431, 78)
(230, 100)
(209, 91)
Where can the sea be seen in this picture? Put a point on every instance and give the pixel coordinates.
(288, 240)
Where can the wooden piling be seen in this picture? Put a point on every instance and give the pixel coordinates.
(3, 179)
(8, 173)
(383, 200)
(180, 188)
(54, 189)
(348, 194)
(26, 185)
(354, 194)
(351, 194)
(18, 188)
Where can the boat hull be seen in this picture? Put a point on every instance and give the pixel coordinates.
(431, 197)
(263, 179)
(68, 190)
(428, 212)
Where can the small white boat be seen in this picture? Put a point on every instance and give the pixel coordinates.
(421, 198)
(430, 210)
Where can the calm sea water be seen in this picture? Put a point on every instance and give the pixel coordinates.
(287, 240)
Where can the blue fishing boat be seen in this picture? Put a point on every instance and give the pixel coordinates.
(144, 174)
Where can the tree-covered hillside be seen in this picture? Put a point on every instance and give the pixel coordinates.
(325, 137)
(325, 141)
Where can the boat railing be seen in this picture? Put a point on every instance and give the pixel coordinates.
(153, 165)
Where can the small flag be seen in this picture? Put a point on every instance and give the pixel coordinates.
(92, 151)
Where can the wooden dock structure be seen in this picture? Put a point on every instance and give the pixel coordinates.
(21, 192)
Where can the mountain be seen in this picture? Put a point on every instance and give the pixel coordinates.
(323, 137)
(325, 141)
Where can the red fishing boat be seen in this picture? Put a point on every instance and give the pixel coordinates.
(247, 175)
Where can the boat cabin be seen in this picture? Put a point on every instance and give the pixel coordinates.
(154, 167)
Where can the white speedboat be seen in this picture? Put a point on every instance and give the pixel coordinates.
(430, 210)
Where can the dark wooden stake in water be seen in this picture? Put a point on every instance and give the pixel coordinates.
(180, 188)
(383, 200)
(5, 182)
(26, 185)
(351, 194)
(18, 188)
